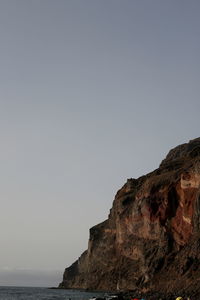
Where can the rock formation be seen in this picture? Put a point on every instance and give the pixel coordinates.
(151, 239)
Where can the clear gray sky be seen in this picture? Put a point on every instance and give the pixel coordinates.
(92, 92)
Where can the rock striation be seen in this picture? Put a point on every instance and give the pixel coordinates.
(151, 239)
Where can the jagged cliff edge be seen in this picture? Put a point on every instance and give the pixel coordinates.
(151, 239)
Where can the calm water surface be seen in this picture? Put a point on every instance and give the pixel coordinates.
(34, 293)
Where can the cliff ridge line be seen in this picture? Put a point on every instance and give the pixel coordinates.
(151, 239)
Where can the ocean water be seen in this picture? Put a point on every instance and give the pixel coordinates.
(38, 293)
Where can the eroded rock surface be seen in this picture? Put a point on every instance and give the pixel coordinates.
(151, 239)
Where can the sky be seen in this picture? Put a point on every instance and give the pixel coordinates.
(92, 92)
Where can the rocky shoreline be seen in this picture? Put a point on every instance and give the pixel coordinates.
(148, 296)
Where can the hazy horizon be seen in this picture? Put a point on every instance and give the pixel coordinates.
(28, 278)
(91, 93)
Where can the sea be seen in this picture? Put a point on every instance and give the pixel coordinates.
(39, 293)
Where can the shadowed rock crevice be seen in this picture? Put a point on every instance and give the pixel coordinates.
(173, 203)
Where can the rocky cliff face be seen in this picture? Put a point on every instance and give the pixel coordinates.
(151, 239)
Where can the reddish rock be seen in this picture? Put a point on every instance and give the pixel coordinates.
(151, 239)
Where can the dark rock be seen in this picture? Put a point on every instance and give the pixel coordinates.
(150, 243)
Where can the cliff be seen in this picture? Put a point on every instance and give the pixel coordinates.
(151, 239)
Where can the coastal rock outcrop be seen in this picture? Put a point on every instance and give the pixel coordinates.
(151, 239)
